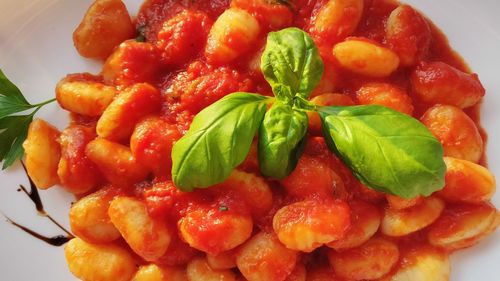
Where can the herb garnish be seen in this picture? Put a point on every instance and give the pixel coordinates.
(218, 140)
(386, 150)
(14, 128)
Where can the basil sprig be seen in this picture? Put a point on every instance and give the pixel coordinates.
(386, 150)
(292, 66)
(13, 125)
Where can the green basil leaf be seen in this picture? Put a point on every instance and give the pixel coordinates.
(386, 150)
(218, 140)
(8, 89)
(291, 64)
(281, 140)
(11, 98)
(10, 106)
(13, 129)
(13, 132)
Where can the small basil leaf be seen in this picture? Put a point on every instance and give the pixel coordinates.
(281, 139)
(291, 64)
(11, 98)
(218, 140)
(386, 150)
(10, 106)
(14, 128)
(8, 89)
(13, 132)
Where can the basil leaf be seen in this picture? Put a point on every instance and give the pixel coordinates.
(10, 106)
(281, 139)
(291, 64)
(14, 128)
(13, 132)
(386, 150)
(8, 89)
(11, 98)
(218, 140)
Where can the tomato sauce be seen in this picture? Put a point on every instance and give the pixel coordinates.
(189, 88)
(154, 13)
(189, 83)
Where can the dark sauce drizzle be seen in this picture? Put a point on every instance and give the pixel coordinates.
(34, 196)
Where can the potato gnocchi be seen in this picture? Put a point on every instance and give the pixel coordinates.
(175, 58)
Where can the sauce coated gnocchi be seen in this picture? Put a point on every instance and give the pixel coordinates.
(370, 261)
(320, 222)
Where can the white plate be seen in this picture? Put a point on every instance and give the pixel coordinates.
(36, 50)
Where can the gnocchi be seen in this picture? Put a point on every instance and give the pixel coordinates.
(403, 222)
(456, 131)
(131, 63)
(89, 218)
(183, 36)
(370, 261)
(148, 237)
(263, 257)
(408, 34)
(366, 57)
(270, 15)
(387, 95)
(224, 260)
(338, 19)
(440, 83)
(199, 270)
(199, 228)
(43, 153)
(307, 225)
(365, 221)
(312, 177)
(422, 264)
(151, 144)
(99, 262)
(105, 25)
(118, 121)
(398, 203)
(83, 96)
(116, 162)
(462, 226)
(231, 35)
(75, 170)
(153, 272)
(467, 182)
(254, 190)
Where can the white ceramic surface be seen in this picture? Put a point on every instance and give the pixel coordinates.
(36, 50)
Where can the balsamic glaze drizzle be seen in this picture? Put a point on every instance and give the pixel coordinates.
(34, 196)
(57, 240)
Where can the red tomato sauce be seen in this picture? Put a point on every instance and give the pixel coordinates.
(188, 84)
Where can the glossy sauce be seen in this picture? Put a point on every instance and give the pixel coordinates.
(193, 84)
(154, 13)
(372, 26)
